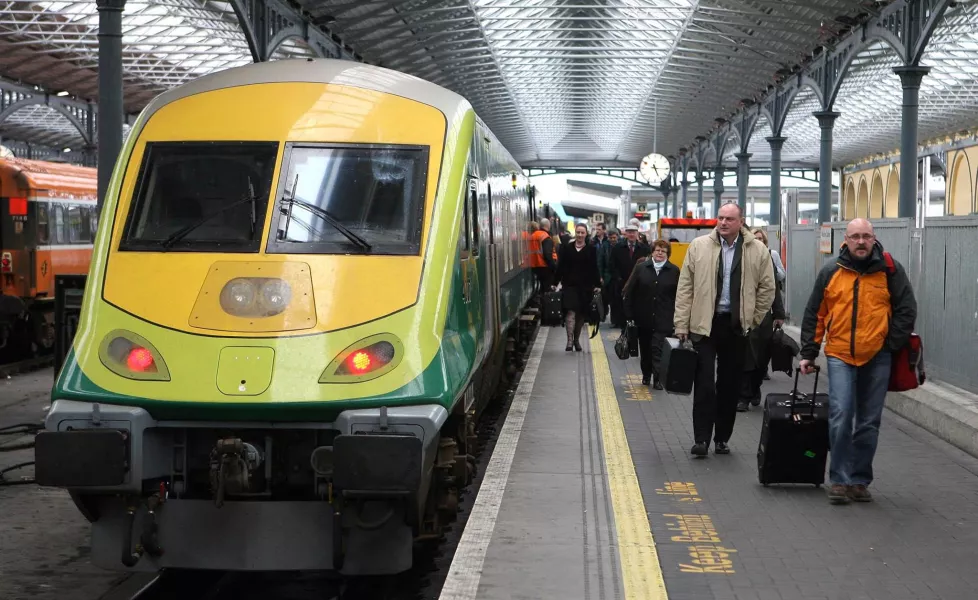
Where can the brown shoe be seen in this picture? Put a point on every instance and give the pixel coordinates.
(838, 494)
(859, 493)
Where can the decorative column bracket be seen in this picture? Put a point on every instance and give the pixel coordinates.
(904, 25)
(267, 24)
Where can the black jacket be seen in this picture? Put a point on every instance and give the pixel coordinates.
(650, 298)
(578, 269)
(622, 264)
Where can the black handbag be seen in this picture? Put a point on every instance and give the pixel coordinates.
(596, 313)
(621, 346)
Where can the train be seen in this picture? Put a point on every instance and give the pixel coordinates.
(48, 218)
(308, 276)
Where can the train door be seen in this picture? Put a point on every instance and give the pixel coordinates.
(16, 245)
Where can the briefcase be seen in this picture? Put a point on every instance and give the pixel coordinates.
(794, 437)
(783, 352)
(678, 366)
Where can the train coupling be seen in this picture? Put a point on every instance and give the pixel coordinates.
(232, 463)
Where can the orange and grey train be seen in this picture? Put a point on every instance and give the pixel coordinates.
(303, 287)
(48, 217)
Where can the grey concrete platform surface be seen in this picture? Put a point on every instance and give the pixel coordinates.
(554, 536)
(44, 540)
(720, 534)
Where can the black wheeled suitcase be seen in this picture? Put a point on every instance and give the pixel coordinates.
(678, 365)
(794, 437)
(552, 313)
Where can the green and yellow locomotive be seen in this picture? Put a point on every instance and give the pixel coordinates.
(304, 279)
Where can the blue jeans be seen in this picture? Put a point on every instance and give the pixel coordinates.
(855, 393)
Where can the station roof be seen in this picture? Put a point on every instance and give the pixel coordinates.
(562, 82)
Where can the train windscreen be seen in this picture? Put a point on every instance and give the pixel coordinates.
(201, 197)
(345, 199)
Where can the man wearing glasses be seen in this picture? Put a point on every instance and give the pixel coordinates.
(863, 313)
(726, 288)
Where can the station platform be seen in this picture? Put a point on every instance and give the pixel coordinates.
(591, 493)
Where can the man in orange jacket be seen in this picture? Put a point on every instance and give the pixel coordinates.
(865, 314)
(542, 255)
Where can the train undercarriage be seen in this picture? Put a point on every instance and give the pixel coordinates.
(353, 496)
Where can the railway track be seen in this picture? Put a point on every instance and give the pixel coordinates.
(432, 559)
(10, 369)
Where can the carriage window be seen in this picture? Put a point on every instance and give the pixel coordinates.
(352, 199)
(43, 234)
(75, 230)
(58, 225)
(201, 197)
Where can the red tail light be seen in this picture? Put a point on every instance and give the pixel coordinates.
(139, 359)
(6, 263)
(360, 362)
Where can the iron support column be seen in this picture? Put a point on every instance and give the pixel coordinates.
(717, 189)
(743, 175)
(826, 120)
(110, 110)
(675, 201)
(776, 143)
(699, 190)
(910, 77)
(685, 187)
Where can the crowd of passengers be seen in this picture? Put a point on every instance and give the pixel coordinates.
(727, 300)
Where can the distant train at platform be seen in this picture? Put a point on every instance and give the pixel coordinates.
(303, 290)
(48, 218)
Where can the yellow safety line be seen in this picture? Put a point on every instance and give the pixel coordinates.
(641, 571)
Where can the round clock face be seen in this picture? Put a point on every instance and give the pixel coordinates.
(654, 168)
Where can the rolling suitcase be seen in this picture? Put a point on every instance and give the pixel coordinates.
(552, 313)
(678, 365)
(794, 437)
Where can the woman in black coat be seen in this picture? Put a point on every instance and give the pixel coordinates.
(650, 301)
(577, 270)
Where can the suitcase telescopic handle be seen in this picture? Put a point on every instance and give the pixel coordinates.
(794, 392)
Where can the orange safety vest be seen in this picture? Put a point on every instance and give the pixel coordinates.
(536, 248)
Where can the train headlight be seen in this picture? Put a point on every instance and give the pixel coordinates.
(275, 296)
(255, 296)
(132, 356)
(367, 359)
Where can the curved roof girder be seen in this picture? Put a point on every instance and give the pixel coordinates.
(267, 24)
(82, 115)
(906, 26)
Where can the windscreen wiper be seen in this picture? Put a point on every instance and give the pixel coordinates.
(179, 234)
(325, 216)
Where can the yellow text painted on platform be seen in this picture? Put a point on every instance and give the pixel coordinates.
(680, 490)
(634, 390)
(706, 553)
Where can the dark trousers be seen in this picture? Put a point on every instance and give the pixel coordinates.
(545, 277)
(715, 400)
(759, 347)
(617, 310)
(650, 350)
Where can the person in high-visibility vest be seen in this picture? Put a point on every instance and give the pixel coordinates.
(542, 254)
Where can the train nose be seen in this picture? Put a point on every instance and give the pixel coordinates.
(245, 371)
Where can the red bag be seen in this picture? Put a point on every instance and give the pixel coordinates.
(907, 370)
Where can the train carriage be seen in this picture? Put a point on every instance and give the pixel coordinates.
(48, 218)
(302, 287)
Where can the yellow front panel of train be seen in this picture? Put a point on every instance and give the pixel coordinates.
(166, 287)
(258, 297)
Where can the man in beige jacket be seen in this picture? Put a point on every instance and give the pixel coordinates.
(718, 303)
